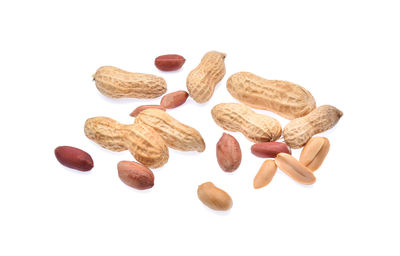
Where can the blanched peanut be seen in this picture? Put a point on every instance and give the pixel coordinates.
(294, 169)
(214, 197)
(314, 152)
(265, 174)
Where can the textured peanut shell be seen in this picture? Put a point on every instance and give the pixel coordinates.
(175, 134)
(298, 131)
(117, 83)
(202, 80)
(314, 152)
(294, 169)
(281, 97)
(214, 197)
(265, 174)
(144, 143)
(236, 117)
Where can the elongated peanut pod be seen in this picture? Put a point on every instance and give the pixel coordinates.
(294, 169)
(314, 152)
(265, 174)
(298, 131)
(284, 98)
(236, 117)
(202, 80)
(144, 143)
(117, 83)
(107, 132)
(175, 134)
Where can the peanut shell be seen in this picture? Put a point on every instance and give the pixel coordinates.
(144, 143)
(236, 117)
(298, 131)
(281, 97)
(117, 83)
(175, 134)
(202, 80)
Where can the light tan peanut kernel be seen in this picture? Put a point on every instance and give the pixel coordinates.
(236, 117)
(314, 152)
(175, 134)
(265, 174)
(281, 97)
(144, 143)
(117, 83)
(174, 99)
(229, 155)
(143, 107)
(135, 175)
(202, 80)
(213, 197)
(294, 169)
(298, 131)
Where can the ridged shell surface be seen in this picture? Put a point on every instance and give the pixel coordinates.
(281, 97)
(144, 143)
(117, 83)
(202, 80)
(236, 117)
(175, 134)
(298, 131)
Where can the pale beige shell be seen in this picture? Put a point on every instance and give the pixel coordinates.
(236, 117)
(298, 131)
(117, 83)
(202, 80)
(281, 97)
(144, 143)
(175, 134)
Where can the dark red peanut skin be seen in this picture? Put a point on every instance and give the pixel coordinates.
(135, 175)
(74, 158)
(174, 99)
(144, 107)
(270, 149)
(229, 154)
(169, 62)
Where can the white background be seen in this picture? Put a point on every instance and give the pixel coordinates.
(346, 53)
